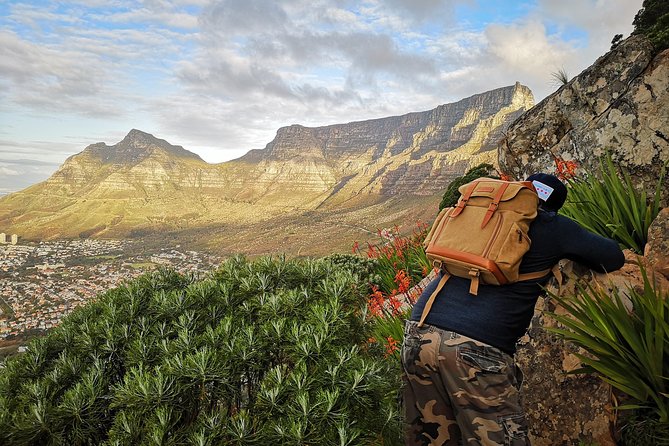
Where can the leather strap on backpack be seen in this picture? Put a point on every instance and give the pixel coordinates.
(462, 202)
(555, 270)
(494, 204)
(474, 281)
(430, 301)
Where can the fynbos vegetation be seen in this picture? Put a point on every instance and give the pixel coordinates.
(265, 352)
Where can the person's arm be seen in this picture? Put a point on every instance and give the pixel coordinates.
(594, 251)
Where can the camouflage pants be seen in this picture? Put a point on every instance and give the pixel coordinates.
(459, 391)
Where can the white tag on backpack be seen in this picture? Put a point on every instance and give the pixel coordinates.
(544, 191)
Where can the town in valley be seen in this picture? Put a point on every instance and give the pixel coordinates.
(42, 282)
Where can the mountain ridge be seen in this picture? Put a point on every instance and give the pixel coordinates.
(144, 183)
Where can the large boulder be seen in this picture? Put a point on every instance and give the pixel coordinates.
(562, 408)
(619, 104)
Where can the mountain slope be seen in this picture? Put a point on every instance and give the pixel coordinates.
(144, 184)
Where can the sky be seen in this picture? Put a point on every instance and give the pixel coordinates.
(219, 77)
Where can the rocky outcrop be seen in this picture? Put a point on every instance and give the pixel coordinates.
(140, 163)
(619, 104)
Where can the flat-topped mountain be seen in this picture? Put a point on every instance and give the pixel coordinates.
(144, 184)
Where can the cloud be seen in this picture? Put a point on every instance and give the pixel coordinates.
(171, 19)
(602, 18)
(526, 51)
(7, 171)
(219, 77)
(420, 11)
(243, 18)
(34, 70)
(17, 175)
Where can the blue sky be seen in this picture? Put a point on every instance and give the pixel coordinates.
(221, 76)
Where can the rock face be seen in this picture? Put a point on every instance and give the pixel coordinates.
(657, 248)
(416, 154)
(139, 161)
(143, 180)
(619, 104)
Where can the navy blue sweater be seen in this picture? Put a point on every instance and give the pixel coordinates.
(500, 315)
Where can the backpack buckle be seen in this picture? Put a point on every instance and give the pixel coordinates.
(474, 284)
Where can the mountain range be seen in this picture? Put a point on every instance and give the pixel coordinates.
(352, 178)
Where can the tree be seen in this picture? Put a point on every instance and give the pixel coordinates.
(652, 21)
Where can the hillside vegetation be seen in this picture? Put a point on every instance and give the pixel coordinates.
(264, 352)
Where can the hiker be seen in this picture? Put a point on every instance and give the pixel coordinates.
(461, 382)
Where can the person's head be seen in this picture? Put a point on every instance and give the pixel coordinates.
(552, 192)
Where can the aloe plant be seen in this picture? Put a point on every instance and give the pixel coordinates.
(627, 349)
(613, 207)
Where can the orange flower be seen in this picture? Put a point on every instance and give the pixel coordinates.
(376, 302)
(403, 281)
(565, 169)
(392, 346)
(356, 247)
(395, 305)
(372, 253)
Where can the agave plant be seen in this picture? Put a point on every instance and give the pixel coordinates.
(612, 206)
(629, 350)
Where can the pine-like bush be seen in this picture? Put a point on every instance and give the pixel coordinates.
(452, 195)
(264, 352)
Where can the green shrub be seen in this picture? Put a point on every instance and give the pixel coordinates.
(451, 196)
(629, 350)
(652, 21)
(644, 430)
(612, 207)
(264, 352)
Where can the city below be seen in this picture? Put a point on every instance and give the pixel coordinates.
(40, 283)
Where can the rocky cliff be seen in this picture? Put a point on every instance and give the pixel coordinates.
(146, 182)
(620, 104)
(416, 153)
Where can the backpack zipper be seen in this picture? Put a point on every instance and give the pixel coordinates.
(493, 237)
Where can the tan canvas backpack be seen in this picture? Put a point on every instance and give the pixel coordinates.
(484, 237)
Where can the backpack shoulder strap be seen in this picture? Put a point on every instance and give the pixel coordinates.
(430, 301)
(555, 270)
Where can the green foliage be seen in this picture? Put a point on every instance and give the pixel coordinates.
(365, 268)
(612, 207)
(452, 195)
(629, 350)
(616, 40)
(388, 333)
(560, 77)
(643, 430)
(264, 352)
(652, 21)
